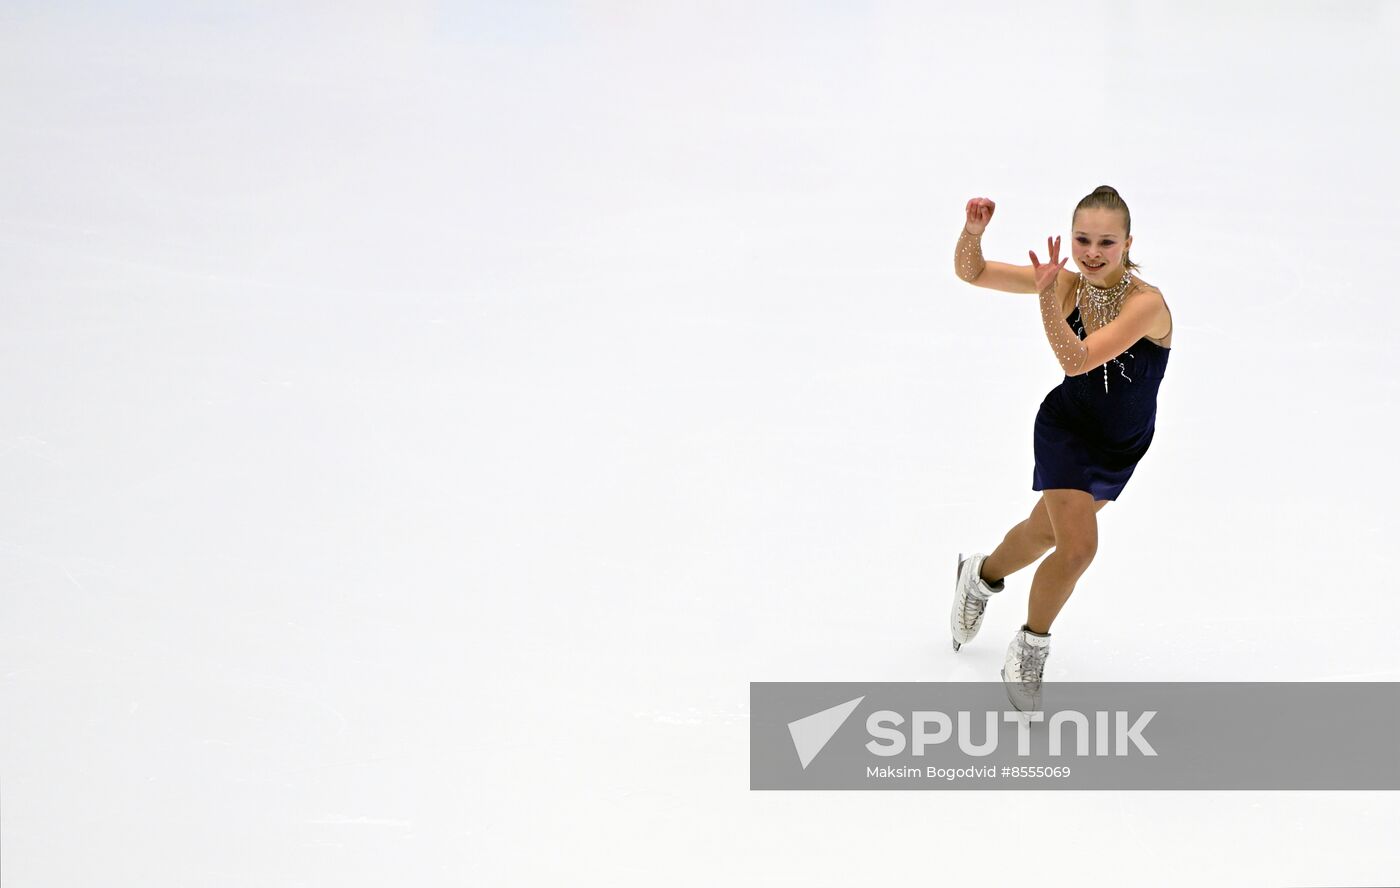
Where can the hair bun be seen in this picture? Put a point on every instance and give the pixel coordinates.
(1108, 188)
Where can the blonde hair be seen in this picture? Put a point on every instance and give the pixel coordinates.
(1106, 197)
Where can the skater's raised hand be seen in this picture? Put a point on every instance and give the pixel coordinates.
(1046, 274)
(979, 213)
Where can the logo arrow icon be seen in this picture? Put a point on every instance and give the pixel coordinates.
(810, 734)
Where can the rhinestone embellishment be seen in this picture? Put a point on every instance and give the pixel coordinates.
(1103, 304)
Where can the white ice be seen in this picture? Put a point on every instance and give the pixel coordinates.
(419, 425)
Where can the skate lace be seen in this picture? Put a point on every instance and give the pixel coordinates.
(1032, 665)
(972, 609)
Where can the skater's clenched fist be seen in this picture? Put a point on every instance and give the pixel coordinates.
(979, 213)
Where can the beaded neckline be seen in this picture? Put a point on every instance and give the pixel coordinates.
(1104, 304)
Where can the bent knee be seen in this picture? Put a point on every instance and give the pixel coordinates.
(1078, 552)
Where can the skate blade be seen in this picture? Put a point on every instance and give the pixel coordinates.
(958, 576)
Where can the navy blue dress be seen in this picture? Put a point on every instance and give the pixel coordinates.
(1090, 439)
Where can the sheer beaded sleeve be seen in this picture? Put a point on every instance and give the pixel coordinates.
(967, 260)
(1068, 347)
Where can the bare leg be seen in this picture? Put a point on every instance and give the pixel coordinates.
(1022, 545)
(1073, 514)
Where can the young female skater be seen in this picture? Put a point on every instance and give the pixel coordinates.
(1111, 333)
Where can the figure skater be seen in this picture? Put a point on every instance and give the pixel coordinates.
(1111, 333)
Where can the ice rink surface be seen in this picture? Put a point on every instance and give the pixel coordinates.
(419, 425)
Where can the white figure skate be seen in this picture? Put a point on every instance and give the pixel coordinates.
(970, 596)
(1024, 669)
